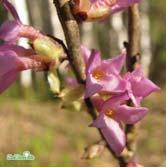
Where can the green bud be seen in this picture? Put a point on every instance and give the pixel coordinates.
(46, 47)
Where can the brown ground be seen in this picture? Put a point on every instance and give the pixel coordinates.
(57, 137)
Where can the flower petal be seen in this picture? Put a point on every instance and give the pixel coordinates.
(98, 11)
(91, 87)
(7, 79)
(85, 53)
(122, 4)
(113, 83)
(138, 72)
(115, 64)
(136, 101)
(9, 31)
(19, 50)
(94, 60)
(7, 62)
(130, 115)
(8, 69)
(99, 122)
(138, 86)
(112, 132)
(144, 87)
(114, 101)
(97, 102)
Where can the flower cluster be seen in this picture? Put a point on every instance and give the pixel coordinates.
(92, 10)
(110, 91)
(45, 54)
(109, 88)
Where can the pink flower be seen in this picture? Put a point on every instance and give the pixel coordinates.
(44, 45)
(104, 75)
(113, 114)
(123, 4)
(14, 59)
(92, 10)
(138, 86)
(10, 31)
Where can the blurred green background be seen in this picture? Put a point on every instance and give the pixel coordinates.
(32, 119)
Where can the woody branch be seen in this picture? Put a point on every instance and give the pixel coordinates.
(133, 58)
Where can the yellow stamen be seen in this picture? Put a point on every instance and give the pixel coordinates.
(105, 95)
(109, 112)
(98, 74)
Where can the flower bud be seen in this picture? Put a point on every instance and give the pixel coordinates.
(54, 82)
(47, 47)
(91, 11)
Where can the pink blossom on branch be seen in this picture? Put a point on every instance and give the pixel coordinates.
(138, 86)
(104, 75)
(113, 113)
(47, 52)
(92, 10)
(110, 90)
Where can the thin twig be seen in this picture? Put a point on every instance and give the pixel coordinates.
(71, 31)
(133, 58)
(133, 54)
(133, 48)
